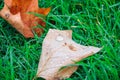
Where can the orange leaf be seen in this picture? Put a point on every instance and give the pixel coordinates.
(16, 13)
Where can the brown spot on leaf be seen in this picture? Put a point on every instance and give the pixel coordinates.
(71, 47)
(57, 78)
(65, 44)
(7, 15)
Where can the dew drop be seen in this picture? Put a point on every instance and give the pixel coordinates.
(51, 62)
(67, 57)
(52, 31)
(62, 62)
(59, 38)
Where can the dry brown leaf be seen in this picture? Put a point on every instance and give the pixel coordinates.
(16, 13)
(60, 50)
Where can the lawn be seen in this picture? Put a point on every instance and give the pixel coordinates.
(93, 22)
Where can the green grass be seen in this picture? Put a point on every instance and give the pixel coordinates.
(94, 22)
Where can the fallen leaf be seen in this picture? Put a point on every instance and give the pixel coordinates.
(60, 50)
(16, 13)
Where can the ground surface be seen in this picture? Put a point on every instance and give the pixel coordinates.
(94, 22)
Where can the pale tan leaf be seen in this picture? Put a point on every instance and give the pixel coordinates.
(60, 50)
